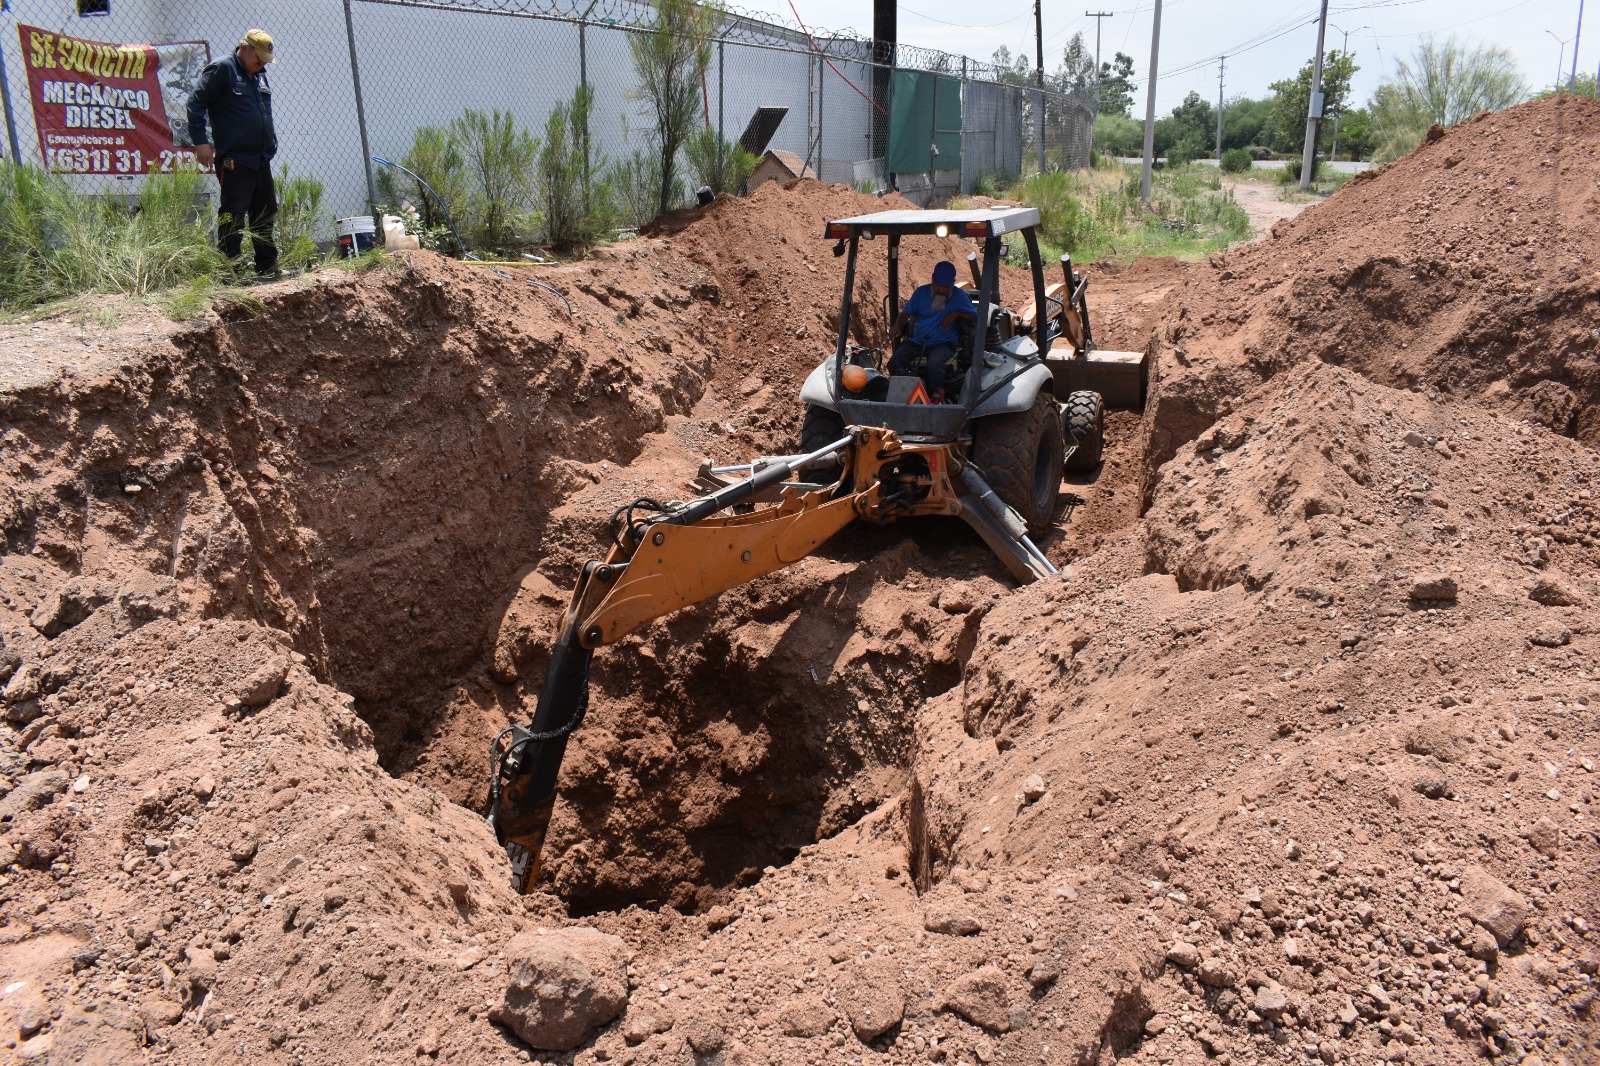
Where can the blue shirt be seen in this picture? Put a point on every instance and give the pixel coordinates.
(239, 106)
(925, 320)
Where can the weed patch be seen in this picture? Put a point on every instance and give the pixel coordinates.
(56, 242)
(1095, 214)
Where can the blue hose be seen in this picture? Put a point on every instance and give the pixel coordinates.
(451, 222)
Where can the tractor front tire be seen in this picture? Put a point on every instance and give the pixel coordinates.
(1020, 456)
(1085, 422)
(820, 428)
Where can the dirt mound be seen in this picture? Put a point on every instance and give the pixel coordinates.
(1297, 758)
(1468, 267)
(1244, 780)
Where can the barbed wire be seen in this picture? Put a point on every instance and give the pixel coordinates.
(747, 27)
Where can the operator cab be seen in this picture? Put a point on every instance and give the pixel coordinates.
(992, 361)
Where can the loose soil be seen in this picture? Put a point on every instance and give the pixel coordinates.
(1294, 761)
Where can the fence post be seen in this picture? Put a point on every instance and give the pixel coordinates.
(722, 47)
(583, 83)
(361, 111)
(11, 119)
(963, 136)
(811, 110)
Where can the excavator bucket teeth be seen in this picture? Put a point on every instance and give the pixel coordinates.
(526, 761)
(521, 817)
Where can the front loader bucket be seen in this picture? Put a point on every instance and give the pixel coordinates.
(1121, 378)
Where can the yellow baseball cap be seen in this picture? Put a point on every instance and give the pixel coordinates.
(261, 41)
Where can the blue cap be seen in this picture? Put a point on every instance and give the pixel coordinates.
(944, 274)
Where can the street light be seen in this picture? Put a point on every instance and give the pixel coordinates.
(1333, 155)
(1561, 57)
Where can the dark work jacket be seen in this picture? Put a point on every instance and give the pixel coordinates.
(240, 109)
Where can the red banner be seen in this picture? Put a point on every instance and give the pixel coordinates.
(111, 108)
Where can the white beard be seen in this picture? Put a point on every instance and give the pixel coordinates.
(939, 301)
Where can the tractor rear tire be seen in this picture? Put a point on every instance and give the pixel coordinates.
(1020, 456)
(820, 428)
(1084, 420)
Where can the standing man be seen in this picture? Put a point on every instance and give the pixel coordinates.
(932, 313)
(235, 95)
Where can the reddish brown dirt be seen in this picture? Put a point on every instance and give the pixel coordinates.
(1467, 267)
(1310, 710)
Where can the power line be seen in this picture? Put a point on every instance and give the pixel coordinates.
(1453, 26)
(965, 25)
(1264, 37)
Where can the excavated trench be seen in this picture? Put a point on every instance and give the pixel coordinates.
(375, 466)
(423, 478)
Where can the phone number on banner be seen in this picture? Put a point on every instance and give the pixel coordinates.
(117, 161)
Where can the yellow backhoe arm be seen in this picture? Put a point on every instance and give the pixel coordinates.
(687, 553)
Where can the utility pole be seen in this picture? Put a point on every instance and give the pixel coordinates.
(1038, 40)
(1100, 16)
(1308, 159)
(1150, 109)
(1333, 153)
(1222, 64)
(1572, 86)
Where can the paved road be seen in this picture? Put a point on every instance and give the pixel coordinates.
(1340, 167)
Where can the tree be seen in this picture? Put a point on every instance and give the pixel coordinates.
(1118, 135)
(1116, 85)
(1077, 66)
(1189, 132)
(575, 214)
(721, 166)
(1293, 102)
(671, 57)
(436, 159)
(1018, 71)
(1245, 121)
(1355, 133)
(1444, 84)
(502, 159)
(1011, 70)
(1585, 86)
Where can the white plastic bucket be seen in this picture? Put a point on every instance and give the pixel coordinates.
(356, 235)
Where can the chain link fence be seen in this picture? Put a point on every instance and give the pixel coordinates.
(102, 97)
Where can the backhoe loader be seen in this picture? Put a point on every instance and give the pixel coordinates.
(992, 456)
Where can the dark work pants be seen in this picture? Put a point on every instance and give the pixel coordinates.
(248, 196)
(933, 374)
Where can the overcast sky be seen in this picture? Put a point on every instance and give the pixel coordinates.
(1265, 40)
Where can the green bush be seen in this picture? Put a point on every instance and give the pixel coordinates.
(636, 180)
(299, 208)
(721, 166)
(501, 160)
(577, 212)
(1291, 171)
(993, 185)
(1237, 160)
(56, 242)
(1118, 135)
(437, 160)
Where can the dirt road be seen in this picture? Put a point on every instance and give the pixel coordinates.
(1262, 203)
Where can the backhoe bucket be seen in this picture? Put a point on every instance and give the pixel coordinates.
(1121, 378)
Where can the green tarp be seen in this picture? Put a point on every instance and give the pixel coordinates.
(924, 113)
